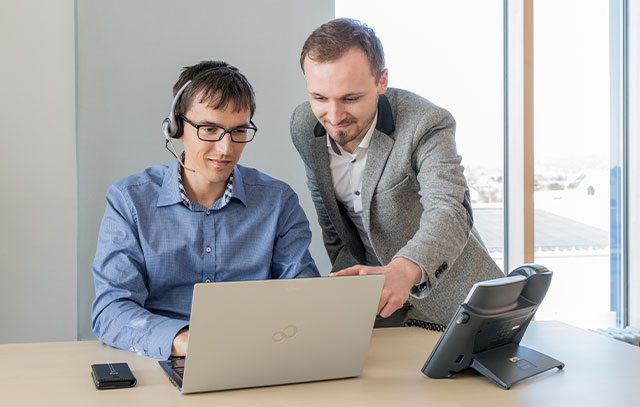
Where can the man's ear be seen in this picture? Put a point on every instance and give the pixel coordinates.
(383, 82)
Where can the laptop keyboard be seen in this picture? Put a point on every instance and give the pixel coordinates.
(177, 365)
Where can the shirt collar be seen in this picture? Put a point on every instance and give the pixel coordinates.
(183, 194)
(170, 193)
(238, 191)
(363, 144)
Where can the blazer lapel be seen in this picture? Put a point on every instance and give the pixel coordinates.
(379, 149)
(322, 170)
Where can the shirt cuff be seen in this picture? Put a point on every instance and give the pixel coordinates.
(424, 277)
(162, 337)
(419, 291)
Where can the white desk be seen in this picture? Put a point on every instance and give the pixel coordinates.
(599, 372)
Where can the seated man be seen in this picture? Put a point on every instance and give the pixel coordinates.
(202, 219)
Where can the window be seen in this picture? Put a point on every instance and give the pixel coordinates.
(577, 160)
(451, 53)
(632, 18)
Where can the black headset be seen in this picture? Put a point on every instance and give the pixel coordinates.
(171, 125)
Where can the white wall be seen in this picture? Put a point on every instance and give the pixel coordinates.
(38, 209)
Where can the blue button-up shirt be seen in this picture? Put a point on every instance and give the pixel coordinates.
(152, 249)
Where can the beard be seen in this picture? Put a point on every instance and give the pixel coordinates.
(343, 137)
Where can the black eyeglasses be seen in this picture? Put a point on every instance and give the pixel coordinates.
(213, 133)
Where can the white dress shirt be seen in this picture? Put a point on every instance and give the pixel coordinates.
(347, 172)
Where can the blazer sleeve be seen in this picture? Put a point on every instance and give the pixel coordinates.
(446, 219)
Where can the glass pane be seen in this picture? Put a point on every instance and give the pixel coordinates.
(452, 54)
(577, 165)
(634, 161)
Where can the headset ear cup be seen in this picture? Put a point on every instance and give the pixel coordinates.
(173, 122)
(179, 128)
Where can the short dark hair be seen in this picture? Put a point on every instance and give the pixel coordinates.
(333, 39)
(217, 83)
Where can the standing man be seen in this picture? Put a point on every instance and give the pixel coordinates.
(203, 219)
(386, 179)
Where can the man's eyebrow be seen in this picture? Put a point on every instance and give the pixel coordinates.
(348, 95)
(208, 123)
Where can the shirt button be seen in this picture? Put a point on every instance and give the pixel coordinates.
(357, 193)
(352, 161)
(208, 212)
(208, 249)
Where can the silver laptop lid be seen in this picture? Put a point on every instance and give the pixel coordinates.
(259, 333)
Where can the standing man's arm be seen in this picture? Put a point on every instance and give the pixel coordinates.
(447, 218)
(119, 318)
(445, 222)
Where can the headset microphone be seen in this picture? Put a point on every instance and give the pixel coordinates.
(172, 126)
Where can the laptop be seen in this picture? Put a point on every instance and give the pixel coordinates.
(269, 332)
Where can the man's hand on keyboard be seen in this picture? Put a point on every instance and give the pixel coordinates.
(179, 346)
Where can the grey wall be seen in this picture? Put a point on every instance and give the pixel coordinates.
(84, 86)
(130, 54)
(38, 214)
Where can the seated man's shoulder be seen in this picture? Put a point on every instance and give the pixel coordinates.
(257, 179)
(148, 180)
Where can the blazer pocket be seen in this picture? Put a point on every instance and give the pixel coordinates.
(397, 186)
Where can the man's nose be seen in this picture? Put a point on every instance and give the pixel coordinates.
(335, 113)
(224, 146)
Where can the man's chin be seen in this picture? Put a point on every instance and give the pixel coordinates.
(340, 137)
(215, 175)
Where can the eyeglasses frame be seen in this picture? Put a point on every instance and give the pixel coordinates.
(252, 126)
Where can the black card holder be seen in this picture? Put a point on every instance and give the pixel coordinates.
(112, 376)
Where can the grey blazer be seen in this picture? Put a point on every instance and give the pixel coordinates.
(415, 201)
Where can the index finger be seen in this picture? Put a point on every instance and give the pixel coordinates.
(349, 271)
